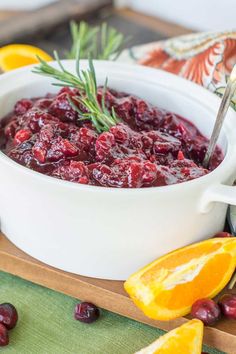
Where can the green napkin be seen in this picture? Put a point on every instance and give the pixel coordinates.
(46, 325)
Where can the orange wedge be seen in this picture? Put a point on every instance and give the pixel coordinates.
(14, 56)
(168, 287)
(186, 339)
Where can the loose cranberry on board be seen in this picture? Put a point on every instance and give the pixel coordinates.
(206, 310)
(4, 338)
(86, 312)
(227, 304)
(8, 315)
(223, 234)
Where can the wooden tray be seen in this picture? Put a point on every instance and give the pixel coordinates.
(106, 294)
(20, 24)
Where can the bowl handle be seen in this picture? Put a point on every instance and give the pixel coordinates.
(218, 193)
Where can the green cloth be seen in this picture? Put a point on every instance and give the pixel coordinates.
(46, 325)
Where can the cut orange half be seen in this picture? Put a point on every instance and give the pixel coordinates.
(14, 56)
(186, 339)
(168, 287)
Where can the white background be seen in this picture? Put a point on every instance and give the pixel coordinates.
(23, 4)
(195, 14)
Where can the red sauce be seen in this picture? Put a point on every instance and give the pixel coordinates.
(150, 147)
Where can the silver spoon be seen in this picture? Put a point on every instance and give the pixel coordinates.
(224, 106)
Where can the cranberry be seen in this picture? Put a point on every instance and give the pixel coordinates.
(151, 147)
(61, 107)
(227, 305)
(223, 234)
(39, 151)
(22, 135)
(72, 171)
(4, 338)
(86, 312)
(180, 155)
(120, 133)
(8, 315)
(22, 106)
(10, 129)
(87, 136)
(104, 143)
(206, 310)
(150, 173)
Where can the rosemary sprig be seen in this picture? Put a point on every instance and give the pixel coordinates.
(84, 36)
(112, 43)
(85, 81)
(104, 42)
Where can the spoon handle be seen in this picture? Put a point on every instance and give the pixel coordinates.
(225, 103)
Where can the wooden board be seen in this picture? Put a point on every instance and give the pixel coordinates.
(19, 24)
(169, 29)
(106, 294)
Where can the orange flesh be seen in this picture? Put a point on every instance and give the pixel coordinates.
(167, 288)
(172, 261)
(186, 294)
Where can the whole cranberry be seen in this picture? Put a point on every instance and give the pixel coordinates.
(223, 234)
(22, 135)
(227, 305)
(8, 315)
(206, 310)
(4, 339)
(86, 312)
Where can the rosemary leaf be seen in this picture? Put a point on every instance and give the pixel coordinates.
(104, 42)
(85, 81)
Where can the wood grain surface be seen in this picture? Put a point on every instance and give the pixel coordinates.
(14, 25)
(106, 294)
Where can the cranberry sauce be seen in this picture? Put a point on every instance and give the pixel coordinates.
(149, 147)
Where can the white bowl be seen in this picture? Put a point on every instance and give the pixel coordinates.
(107, 232)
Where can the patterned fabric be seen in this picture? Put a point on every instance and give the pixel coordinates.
(204, 58)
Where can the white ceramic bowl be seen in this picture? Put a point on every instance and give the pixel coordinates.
(110, 233)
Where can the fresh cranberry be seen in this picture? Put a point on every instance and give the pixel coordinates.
(206, 310)
(86, 312)
(22, 135)
(227, 305)
(22, 106)
(4, 338)
(223, 234)
(8, 315)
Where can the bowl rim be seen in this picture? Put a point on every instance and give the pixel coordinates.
(141, 70)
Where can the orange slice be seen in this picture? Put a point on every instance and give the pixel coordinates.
(167, 288)
(14, 56)
(186, 339)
